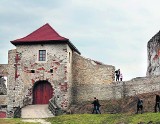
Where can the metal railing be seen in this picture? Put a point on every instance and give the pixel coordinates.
(54, 108)
(17, 112)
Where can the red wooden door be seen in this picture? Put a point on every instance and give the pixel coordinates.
(42, 92)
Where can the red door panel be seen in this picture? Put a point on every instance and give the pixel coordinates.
(2, 114)
(42, 92)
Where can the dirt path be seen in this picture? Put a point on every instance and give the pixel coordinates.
(42, 121)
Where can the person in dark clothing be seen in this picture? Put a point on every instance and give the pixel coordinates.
(117, 72)
(157, 104)
(96, 106)
(139, 105)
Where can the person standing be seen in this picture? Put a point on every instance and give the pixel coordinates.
(96, 106)
(157, 104)
(139, 105)
(121, 77)
(117, 72)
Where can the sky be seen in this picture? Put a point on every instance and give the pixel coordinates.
(114, 32)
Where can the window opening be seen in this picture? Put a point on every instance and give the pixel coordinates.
(42, 55)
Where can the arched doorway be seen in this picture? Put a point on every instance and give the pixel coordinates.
(42, 92)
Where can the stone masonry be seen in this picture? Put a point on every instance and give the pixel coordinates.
(21, 79)
(153, 49)
(73, 78)
(3, 88)
(90, 79)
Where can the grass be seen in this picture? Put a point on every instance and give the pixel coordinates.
(14, 121)
(107, 119)
(96, 119)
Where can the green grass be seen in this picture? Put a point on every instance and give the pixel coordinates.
(106, 119)
(14, 121)
(96, 119)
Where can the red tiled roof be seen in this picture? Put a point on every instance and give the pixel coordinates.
(44, 33)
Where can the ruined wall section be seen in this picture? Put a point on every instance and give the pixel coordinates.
(3, 70)
(135, 86)
(27, 70)
(3, 88)
(11, 80)
(3, 74)
(91, 79)
(153, 49)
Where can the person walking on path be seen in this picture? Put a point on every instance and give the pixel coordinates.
(96, 106)
(121, 77)
(157, 103)
(117, 72)
(139, 105)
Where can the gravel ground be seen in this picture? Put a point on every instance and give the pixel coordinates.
(42, 121)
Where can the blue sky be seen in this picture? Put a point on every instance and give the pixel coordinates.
(113, 32)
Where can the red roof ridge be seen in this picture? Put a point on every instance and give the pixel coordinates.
(44, 33)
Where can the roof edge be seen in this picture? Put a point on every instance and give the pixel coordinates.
(48, 42)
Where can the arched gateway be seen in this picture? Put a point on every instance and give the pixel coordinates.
(42, 92)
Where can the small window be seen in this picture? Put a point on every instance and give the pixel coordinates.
(51, 70)
(32, 71)
(69, 57)
(42, 55)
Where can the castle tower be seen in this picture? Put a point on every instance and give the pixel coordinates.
(40, 69)
(153, 49)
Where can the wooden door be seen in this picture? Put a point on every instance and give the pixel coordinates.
(42, 92)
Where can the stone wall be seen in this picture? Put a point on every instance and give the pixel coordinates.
(91, 79)
(122, 96)
(3, 70)
(153, 49)
(94, 79)
(3, 100)
(21, 79)
(135, 86)
(3, 89)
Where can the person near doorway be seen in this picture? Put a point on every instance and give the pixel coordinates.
(139, 105)
(157, 103)
(96, 106)
(117, 72)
